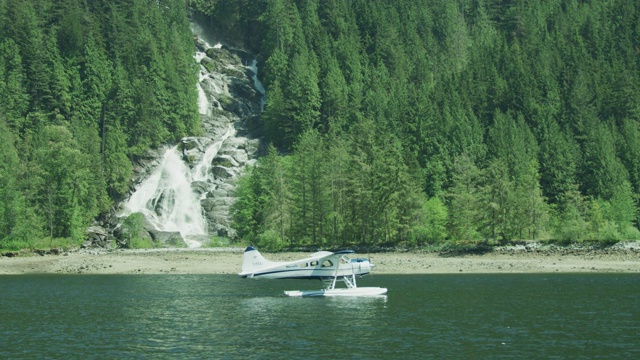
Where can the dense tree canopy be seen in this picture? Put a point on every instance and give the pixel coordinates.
(85, 87)
(392, 122)
(419, 121)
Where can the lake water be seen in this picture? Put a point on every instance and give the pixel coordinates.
(224, 316)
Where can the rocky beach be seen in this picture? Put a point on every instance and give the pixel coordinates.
(622, 257)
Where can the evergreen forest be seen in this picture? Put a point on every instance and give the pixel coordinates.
(86, 87)
(401, 123)
(416, 122)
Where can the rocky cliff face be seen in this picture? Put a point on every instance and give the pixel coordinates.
(233, 104)
(184, 192)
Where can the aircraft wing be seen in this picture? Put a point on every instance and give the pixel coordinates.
(322, 255)
(317, 265)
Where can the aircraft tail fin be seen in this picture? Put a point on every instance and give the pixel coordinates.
(252, 260)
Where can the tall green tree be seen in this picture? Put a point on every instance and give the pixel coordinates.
(309, 188)
(65, 175)
(602, 170)
(463, 200)
(14, 99)
(9, 177)
(277, 212)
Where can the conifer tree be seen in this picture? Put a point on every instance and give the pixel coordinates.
(463, 200)
(9, 190)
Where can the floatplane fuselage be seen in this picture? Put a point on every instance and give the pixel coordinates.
(323, 265)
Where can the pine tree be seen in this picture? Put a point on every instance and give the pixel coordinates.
(463, 200)
(309, 189)
(65, 176)
(14, 100)
(275, 184)
(571, 217)
(602, 170)
(498, 219)
(9, 190)
(338, 161)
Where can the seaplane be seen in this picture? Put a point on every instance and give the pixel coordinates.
(330, 267)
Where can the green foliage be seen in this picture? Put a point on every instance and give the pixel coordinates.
(134, 234)
(464, 201)
(9, 189)
(501, 109)
(54, 243)
(140, 243)
(270, 240)
(218, 241)
(431, 224)
(516, 115)
(83, 88)
(570, 223)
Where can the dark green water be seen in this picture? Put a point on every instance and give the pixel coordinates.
(223, 316)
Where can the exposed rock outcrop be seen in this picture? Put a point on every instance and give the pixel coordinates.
(229, 106)
(227, 82)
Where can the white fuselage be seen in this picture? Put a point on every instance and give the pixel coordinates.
(317, 266)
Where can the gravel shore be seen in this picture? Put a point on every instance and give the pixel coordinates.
(622, 257)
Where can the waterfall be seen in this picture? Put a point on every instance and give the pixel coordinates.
(204, 106)
(188, 191)
(167, 200)
(202, 171)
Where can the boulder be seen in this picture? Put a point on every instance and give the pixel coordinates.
(219, 193)
(208, 205)
(228, 85)
(222, 172)
(190, 143)
(200, 187)
(209, 64)
(97, 237)
(240, 156)
(219, 219)
(167, 238)
(226, 187)
(225, 160)
(223, 55)
(136, 228)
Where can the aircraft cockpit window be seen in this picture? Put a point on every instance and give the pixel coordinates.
(327, 263)
(313, 263)
(344, 260)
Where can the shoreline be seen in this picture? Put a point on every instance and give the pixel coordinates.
(621, 258)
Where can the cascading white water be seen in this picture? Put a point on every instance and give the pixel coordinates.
(203, 102)
(167, 197)
(167, 200)
(202, 171)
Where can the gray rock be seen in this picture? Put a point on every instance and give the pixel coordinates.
(97, 230)
(208, 205)
(222, 172)
(209, 64)
(233, 99)
(219, 193)
(226, 187)
(240, 156)
(200, 187)
(225, 160)
(190, 143)
(167, 238)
